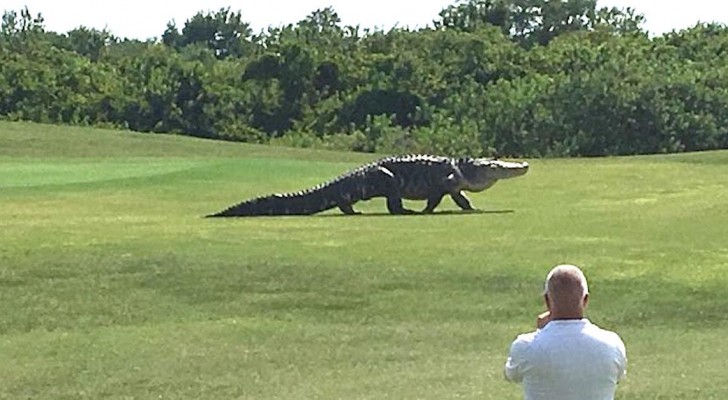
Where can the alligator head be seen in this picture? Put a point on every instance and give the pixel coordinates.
(481, 173)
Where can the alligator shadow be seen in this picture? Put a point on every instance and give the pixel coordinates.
(379, 214)
(417, 214)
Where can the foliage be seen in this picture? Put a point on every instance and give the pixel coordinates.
(223, 32)
(490, 77)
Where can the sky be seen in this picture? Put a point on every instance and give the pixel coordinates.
(145, 19)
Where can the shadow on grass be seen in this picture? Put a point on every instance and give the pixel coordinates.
(418, 214)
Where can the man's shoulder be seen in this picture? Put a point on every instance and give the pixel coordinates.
(524, 340)
(605, 335)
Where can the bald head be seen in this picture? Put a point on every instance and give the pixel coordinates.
(566, 291)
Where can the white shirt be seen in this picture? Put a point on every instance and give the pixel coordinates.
(567, 360)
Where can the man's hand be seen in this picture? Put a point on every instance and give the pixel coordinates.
(543, 319)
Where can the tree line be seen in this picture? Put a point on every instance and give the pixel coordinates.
(534, 78)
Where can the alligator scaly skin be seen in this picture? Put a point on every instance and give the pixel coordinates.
(412, 177)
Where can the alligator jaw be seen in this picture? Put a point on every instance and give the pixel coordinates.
(484, 173)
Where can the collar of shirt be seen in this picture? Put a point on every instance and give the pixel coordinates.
(566, 322)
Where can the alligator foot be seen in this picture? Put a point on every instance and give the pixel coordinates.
(348, 209)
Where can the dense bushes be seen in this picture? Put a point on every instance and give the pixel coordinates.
(507, 77)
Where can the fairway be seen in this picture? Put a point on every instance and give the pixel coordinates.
(112, 286)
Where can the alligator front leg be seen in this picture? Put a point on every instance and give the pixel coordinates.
(462, 201)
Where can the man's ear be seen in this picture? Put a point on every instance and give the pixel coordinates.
(586, 299)
(546, 300)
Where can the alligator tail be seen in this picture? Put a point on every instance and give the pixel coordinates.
(301, 203)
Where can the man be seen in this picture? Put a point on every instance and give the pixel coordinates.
(567, 357)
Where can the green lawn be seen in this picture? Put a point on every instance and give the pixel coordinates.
(113, 286)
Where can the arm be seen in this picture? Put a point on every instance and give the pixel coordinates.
(621, 360)
(516, 363)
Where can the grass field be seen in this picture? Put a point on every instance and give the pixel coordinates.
(112, 286)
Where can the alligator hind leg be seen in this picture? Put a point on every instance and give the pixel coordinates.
(394, 205)
(432, 203)
(347, 209)
(388, 185)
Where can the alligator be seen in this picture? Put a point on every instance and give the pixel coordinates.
(412, 177)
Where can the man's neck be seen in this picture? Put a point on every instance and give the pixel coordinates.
(559, 316)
